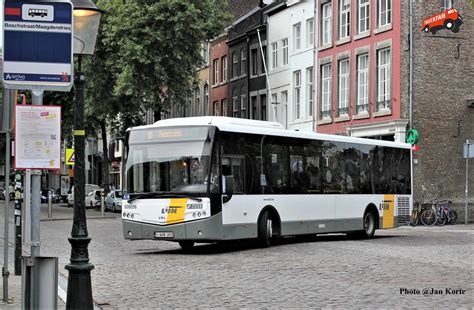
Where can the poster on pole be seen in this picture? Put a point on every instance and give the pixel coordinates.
(37, 137)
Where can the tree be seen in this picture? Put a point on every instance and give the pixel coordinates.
(146, 55)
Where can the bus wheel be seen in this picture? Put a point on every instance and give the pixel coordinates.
(186, 245)
(265, 230)
(369, 225)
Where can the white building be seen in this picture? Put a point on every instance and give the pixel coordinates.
(291, 57)
(278, 34)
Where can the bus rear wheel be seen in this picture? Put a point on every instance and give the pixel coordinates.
(370, 225)
(186, 245)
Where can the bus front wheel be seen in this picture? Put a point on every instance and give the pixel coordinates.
(265, 230)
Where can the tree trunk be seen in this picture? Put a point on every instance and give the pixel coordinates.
(105, 162)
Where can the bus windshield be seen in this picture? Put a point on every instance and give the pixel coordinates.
(170, 161)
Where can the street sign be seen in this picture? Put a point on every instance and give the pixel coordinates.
(38, 45)
(70, 158)
(37, 137)
(412, 136)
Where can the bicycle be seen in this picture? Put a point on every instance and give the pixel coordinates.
(446, 214)
(429, 216)
(415, 214)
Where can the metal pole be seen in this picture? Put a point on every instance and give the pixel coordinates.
(5, 272)
(266, 74)
(50, 205)
(467, 182)
(102, 204)
(410, 90)
(79, 289)
(37, 99)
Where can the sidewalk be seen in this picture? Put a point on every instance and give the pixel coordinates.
(14, 294)
(60, 212)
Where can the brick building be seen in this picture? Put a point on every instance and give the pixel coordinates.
(443, 71)
(359, 57)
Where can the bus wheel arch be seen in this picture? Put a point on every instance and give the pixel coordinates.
(371, 221)
(268, 227)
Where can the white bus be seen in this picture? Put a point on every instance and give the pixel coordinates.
(205, 179)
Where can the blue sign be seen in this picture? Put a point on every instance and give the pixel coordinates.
(37, 48)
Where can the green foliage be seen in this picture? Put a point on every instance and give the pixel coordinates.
(147, 54)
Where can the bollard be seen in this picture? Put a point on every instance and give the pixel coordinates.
(50, 205)
(102, 205)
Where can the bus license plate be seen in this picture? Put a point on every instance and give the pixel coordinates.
(164, 234)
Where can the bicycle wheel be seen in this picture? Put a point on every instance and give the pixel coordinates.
(453, 217)
(414, 217)
(441, 219)
(428, 218)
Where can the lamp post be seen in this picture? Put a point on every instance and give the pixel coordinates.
(79, 292)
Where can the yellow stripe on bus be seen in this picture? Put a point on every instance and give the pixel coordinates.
(177, 209)
(388, 211)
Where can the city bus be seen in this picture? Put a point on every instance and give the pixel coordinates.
(210, 179)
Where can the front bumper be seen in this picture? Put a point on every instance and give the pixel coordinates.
(207, 229)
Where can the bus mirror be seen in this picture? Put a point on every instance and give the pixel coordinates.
(229, 186)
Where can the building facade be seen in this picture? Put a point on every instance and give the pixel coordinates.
(301, 60)
(219, 76)
(359, 67)
(443, 87)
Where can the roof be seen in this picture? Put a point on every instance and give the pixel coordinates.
(239, 8)
(262, 127)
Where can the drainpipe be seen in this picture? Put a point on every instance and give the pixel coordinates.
(315, 63)
(410, 90)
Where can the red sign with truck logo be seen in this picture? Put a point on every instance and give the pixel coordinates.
(449, 19)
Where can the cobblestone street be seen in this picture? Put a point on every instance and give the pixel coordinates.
(325, 271)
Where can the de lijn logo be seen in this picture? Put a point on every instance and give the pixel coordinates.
(449, 19)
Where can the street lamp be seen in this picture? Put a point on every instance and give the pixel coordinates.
(79, 291)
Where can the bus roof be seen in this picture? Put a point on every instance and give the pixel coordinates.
(232, 124)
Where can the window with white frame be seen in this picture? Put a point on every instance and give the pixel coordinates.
(326, 23)
(326, 85)
(362, 87)
(206, 99)
(310, 90)
(243, 61)
(243, 103)
(216, 71)
(384, 12)
(297, 36)
(235, 103)
(309, 32)
(224, 68)
(274, 55)
(254, 107)
(446, 4)
(363, 15)
(216, 108)
(383, 79)
(284, 44)
(224, 107)
(263, 105)
(343, 87)
(344, 18)
(235, 63)
(274, 103)
(297, 94)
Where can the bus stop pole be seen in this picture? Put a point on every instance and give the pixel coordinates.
(467, 181)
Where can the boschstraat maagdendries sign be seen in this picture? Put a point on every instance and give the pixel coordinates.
(38, 45)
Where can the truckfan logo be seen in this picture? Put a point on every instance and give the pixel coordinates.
(449, 19)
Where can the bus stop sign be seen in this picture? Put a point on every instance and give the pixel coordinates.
(412, 136)
(37, 45)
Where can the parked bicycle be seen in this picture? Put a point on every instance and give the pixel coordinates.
(445, 214)
(416, 214)
(429, 216)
